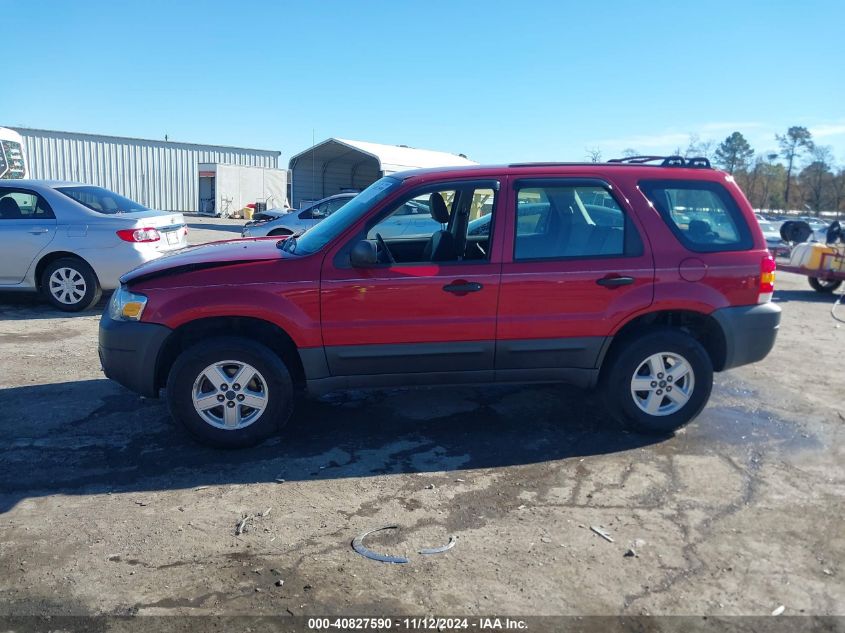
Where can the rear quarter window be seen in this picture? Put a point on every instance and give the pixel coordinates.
(703, 215)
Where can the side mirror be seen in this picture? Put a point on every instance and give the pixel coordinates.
(364, 255)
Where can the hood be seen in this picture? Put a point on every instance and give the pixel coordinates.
(208, 256)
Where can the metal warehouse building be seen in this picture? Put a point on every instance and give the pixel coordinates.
(159, 174)
(337, 165)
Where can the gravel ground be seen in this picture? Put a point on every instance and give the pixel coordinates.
(107, 507)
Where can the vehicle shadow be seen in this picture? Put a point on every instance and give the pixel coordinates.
(19, 306)
(807, 296)
(234, 229)
(93, 436)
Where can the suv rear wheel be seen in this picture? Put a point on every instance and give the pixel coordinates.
(658, 381)
(230, 392)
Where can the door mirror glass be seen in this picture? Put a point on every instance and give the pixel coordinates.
(364, 255)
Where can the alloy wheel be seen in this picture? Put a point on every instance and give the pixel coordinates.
(230, 394)
(662, 384)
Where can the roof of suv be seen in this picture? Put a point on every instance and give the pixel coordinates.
(516, 169)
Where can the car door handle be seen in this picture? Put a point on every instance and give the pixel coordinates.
(615, 282)
(39, 230)
(462, 287)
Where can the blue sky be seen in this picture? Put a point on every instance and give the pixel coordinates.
(498, 81)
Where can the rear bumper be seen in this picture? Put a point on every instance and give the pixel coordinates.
(110, 263)
(129, 352)
(750, 332)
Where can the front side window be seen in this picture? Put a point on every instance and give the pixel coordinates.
(101, 200)
(702, 215)
(561, 220)
(19, 204)
(447, 223)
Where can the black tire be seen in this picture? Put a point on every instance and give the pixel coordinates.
(76, 271)
(632, 353)
(277, 232)
(820, 285)
(193, 361)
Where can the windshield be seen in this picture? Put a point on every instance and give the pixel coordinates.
(316, 238)
(101, 200)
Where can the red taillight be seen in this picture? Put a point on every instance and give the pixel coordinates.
(139, 235)
(767, 279)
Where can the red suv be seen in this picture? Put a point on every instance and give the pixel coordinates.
(639, 279)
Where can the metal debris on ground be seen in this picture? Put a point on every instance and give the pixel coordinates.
(779, 610)
(358, 546)
(601, 533)
(248, 520)
(442, 548)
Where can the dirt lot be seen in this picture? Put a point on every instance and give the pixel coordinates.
(107, 507)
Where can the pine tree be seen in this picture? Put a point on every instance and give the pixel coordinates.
(734, 153)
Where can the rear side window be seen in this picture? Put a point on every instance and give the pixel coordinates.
(561, 219)
(702, 215)
(101, 200)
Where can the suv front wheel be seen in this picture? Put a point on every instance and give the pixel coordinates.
(658, 381)
(230, 392)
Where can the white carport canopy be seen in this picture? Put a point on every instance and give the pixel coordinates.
(338, 165)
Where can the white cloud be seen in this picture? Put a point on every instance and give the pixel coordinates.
(671, 139)
(830, 129)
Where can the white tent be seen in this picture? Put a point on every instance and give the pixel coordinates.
(337, 165)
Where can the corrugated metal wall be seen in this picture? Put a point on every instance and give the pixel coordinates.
(161, 175)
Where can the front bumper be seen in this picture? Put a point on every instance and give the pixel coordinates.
(129, 352)
(750, 332)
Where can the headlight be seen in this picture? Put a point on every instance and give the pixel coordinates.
(126, 306)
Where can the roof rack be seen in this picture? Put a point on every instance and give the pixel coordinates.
(698, 162)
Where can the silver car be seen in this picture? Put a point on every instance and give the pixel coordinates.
(278, 222)
(71, 241)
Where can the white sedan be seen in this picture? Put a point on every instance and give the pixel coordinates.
(71, 241)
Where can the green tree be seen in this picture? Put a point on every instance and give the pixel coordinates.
(837, 190)
(734, 153)
(763, 182)
(816, 179)
(796, 140)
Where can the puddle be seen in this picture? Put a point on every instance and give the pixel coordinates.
(739, 427)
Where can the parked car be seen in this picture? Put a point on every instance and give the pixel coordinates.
(71, 241)
(615, 296)
(771, 233)
(289, 221)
